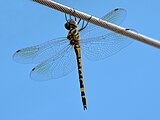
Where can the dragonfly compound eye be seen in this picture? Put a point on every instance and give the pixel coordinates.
(70, 24)
(67, 25)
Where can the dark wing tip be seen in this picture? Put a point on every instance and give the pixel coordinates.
(127, 29)
(121, 9)
(116, 9)
(18, 51)
(33, 69)
(131, 30)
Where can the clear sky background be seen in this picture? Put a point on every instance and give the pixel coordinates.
(125, 86)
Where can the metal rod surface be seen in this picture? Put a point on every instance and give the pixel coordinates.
(99, 22)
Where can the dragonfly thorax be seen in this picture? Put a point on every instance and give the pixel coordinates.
(73, 33)
(73, 36)
(70, 24)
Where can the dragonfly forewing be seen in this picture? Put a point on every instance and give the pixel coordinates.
(98, 43)
(115, 16)
(39, 53)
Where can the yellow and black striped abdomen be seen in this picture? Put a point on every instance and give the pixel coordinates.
(79, 63)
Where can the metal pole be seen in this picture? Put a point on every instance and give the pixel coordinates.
(99, 22)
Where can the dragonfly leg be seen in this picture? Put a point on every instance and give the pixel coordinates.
(73, 14)
(84, 26)
(79, 21)
(66, 17)
(75, 18)
(70, 16)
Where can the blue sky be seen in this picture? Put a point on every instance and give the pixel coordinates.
(122, 87)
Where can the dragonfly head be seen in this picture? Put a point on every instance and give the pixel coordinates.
(70, 24)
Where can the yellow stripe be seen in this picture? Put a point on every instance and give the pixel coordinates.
(78, 49)
(82, 89)
(80, 65)
(80, 75)
(79, 60)
(83, 96)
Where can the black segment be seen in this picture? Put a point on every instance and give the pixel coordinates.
(116, 9)
(82, 93)
(18, 51)
(85, 107)
(33, 69)
(80, 72)
(84, 103)
(81, 84)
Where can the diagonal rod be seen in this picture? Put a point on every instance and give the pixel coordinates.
(99, 22)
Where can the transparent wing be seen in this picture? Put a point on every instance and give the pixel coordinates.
(97, 48)
(55, 67)
(115, 16)
(39, 53)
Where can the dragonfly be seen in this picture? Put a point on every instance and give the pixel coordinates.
(58, 57)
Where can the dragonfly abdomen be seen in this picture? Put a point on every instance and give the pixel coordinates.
(79, 63)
